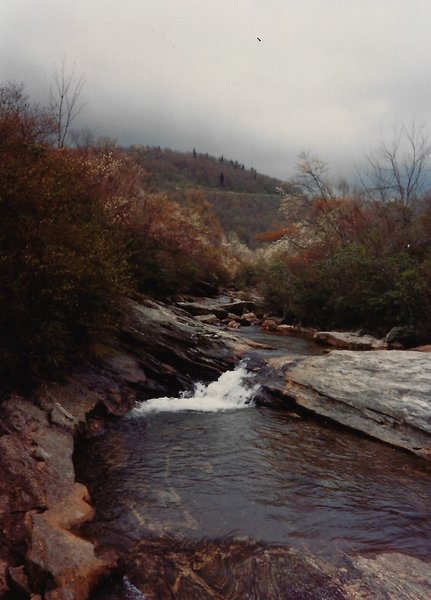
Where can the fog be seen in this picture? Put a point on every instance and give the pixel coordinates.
(255, 81)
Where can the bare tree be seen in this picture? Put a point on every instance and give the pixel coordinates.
(313, 177)
(399, 171)
(64, 100)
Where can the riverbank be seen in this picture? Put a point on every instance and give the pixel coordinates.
(154, 351)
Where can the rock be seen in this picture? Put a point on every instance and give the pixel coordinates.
(210, 319)
(126, 368)
(174, 349)
(388, 576)
(41, 454)
(155, 350)
(349, 341)
(385, 394)
(4, 587)
(269, 325)
(69, 559)
(247, 569)
(426, 348)
(60, 416)
(204, 288)
(238, 308)
(230, 569)
(234, 324)
(248, 318)
(306, 333)
(402, 335)
(195, 309)
(20, 578)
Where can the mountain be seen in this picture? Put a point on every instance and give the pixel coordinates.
(245, 201)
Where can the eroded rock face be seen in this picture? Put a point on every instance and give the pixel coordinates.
(384, 394)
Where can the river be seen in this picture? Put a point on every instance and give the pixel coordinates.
(212, 468)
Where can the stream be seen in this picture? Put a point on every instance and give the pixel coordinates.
(179, 479)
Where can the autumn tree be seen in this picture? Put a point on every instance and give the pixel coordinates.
(61, 267)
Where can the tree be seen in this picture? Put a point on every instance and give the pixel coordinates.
(399, 170)
(62, 267)
(64, 100)
(313, 177)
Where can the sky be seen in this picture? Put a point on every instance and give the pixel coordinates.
(329, 77)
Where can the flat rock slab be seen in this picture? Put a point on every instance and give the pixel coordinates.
(349, 340)
(385, 394)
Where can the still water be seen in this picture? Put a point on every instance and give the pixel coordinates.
(212, 466)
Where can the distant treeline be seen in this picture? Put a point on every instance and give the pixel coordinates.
(171, 169)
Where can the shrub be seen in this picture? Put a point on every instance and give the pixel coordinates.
(61, 269)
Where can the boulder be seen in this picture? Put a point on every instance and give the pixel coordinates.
(349, 341)
(174, 349)
(384, 394)
(404, 336)
(269, 325)
(210, 319)
(70, 560)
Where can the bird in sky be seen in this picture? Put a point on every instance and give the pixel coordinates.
(258, 39)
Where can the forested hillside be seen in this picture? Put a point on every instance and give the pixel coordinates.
(245, 201)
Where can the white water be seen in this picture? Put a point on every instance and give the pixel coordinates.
(132, 591)
(232, 390)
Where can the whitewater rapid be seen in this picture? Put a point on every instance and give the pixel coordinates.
(234, 389)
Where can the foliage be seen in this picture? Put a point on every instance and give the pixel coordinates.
(350, 263)
(172, 246)
(61, 269)
(172, 170)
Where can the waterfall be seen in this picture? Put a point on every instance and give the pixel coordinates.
(233, 390)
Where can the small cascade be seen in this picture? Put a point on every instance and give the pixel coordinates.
(233, 390)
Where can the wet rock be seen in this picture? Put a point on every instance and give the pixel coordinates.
(217, 570)
(388, 576)
(349, 341)
(384, 394)
(231, 569)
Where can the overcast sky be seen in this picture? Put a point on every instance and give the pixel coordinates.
(328, 76)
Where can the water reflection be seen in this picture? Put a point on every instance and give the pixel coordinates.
(260, 474)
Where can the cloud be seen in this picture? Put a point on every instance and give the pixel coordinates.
(329, 75)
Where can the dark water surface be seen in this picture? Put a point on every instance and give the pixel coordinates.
(259, 474)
